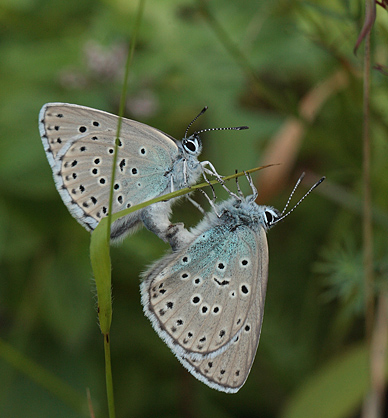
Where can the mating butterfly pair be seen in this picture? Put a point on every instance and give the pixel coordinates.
(206, 298)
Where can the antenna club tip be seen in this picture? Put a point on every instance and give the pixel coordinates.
(240, 128)
(321, 180)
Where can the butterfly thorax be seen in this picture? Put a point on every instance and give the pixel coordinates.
(246, 213)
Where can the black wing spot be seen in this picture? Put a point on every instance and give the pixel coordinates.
(223, 283)
(82, 129)
(196, 300)
(122, 164)
(244, 289)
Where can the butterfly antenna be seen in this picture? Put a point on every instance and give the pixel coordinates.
(199, 114)
(293, 191)
(231, 128)
(281, 216)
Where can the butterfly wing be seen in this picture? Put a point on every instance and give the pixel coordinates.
(229, 370)
(79, 144)
(198, 298)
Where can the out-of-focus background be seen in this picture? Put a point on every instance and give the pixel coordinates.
(284, 68)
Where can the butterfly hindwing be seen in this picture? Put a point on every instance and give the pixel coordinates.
(198, 298)
(229, 370)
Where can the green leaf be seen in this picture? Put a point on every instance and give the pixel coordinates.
(334, 391)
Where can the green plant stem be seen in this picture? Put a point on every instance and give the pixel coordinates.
(100, 241)
(178, 193)
(108, 377)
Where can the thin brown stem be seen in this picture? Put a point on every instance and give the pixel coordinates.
(367, 216)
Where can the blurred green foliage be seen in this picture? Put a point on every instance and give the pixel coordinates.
(74, 52)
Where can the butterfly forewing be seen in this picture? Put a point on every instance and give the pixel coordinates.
(198, 299)
(79, 144)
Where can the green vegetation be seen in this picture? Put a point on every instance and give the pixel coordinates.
(284, 68)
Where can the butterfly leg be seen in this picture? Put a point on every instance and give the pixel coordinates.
(196, 205)
(214, 173)
(185, 172)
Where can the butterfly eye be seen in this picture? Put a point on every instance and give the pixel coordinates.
(271, 216)
(192, 145)
(268, 217)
